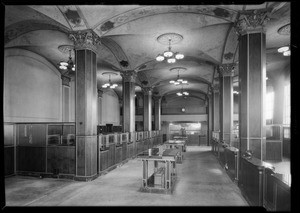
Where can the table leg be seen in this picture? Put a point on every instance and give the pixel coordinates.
(145, 173)
(155, 166)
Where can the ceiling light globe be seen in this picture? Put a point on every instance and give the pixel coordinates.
(104, 86)
(179, 56)
(62, 63)
(168, 54)
(172, 82)
(179, 94)
(176, 83)
(62, 67)
(283, 49)
(287, 53)
(115, 85)
(171, 60)
(184, 82)
(180, 80)
(160, 58)
(73, 68)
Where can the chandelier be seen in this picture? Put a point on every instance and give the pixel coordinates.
(182, 93)
(285, 50)
(169, 55)
(109, 83)
(69, 65)
(179, 80)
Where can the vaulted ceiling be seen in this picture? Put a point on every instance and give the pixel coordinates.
(129, 33)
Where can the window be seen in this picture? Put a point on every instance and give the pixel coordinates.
(269, 105)
(287, 105)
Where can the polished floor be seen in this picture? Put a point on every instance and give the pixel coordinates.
(201, 182)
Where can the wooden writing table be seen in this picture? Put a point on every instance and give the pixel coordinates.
(168, 157)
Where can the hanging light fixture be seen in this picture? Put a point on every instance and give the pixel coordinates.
(109, 84)
(178, 81)
(285, 50)
(69, 65)
(182, 93)
(170, 56)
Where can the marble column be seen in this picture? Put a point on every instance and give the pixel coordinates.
(252, 82)
(147, 108)
(157, 112)
(65, 98)
(129, 78)
(278, 100)
(86, 103)
(216, 106)
(99, 107)
(226, 101)
(210, 117)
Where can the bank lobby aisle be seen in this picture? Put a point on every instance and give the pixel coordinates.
(201, 182)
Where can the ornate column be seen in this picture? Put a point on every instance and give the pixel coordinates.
(86, 103)
(226, 101)
(99, 107)
(65, 98)
(210, 116)
(147, 108)
(278, 100)
(129, 78)
(252, 82)
(157, 112)
(216, 106)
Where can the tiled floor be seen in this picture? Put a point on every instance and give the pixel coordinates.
(201, 182)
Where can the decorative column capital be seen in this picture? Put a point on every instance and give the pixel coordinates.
(85, 39)
(252, 21)
(156, 99)
(147, 90)
(65, 80)
(100, 93)
(226, 69)
(129, 76)
(216, 88)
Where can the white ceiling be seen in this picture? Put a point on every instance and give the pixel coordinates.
(129, 32)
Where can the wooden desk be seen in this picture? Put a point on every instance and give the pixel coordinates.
(176, 144)
(167, 174)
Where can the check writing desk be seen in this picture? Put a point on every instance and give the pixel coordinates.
(164, 177)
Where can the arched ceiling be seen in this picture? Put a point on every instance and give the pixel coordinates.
(130, 32)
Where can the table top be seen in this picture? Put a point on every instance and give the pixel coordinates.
(179, 142)
(168, 154)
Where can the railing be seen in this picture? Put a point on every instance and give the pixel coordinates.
(49, 149)
(259, 183)
(274, 143)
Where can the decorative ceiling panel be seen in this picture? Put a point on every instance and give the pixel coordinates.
(73, 16)
(145, 11)
(52, 12)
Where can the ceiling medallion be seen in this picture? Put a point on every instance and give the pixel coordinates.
(169, 38)
(285, 30)
(169, 55)
(65, 48)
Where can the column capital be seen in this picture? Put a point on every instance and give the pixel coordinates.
(65, 80)
(156, 99)
(226, 69)
(100, 93)
(216, 88)
(252, 21)
(147, 90)
(129, 76)
(85, 39)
